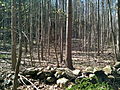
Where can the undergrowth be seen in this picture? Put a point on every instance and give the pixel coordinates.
(88, 84)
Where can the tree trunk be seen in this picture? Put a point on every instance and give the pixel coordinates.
(41, 30)
(38, 35)
(118, 58)
(15, 84)
(13, 33)
(112, 30)
(31, 32)
(69, 35)
(98, 28)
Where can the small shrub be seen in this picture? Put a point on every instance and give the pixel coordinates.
(86, 84)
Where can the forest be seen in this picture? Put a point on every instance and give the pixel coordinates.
(59, 44)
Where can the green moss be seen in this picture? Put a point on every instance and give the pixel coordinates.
(3, 56)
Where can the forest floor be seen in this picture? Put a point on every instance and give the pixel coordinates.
(81, 60)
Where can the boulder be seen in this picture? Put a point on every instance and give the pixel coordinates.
(59, 74)
(96, 69)
(62, 82)
(107, 69)
(91, 75)
(65, 72)
(77, 72)
(49, 73)
(30, 71)
(43, 75)
(101, 76)
(89, 69)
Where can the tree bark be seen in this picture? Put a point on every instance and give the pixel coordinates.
(69, 35)
(13, 33)
(15, 84)
(118, 58)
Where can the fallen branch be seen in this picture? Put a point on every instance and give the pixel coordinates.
(28, 81)
(24, 83)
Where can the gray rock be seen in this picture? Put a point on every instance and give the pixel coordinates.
(58, 74)
(65, 72)
(117, 65)
(96, 69)
(69, 74)
(51, 80)
(91, 75)
(43, 75)
(31, 71)
(77, 72)
(62, 82)
(107, 69)
(101, 76)
(49, 73)
(89, 69)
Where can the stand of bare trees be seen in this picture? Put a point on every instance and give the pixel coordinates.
(49, 31)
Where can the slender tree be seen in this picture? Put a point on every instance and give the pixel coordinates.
(41, 43)
(38, 35)
(15, 84)
(13, 33)
(118, 59)
(69, 35)
(98, 27)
